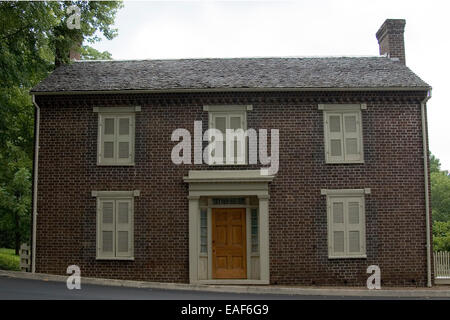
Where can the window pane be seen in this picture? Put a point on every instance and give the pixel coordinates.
(124, 150)
(107, 243)
(228, 201)
(124, 126)
(350, 124)
(254, 201)
(123, 212)
(122, 241)
(338, 241)
(108, 151)
(221, 124)
(109, 126)
(353, 239)
(353, 212)
(335, 124)
(235, 123)
(352, 146)
(254, 230)
(338, 212)
(336, 148)
(107, 212)
(203, 231)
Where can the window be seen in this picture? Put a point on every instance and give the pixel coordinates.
(346, 223)
(116, 130)
(228, 201)
(254, 230)
(115, 220)
(343, 133)
(233, 118)
(203, 231)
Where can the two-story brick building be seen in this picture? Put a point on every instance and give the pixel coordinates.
(351, 189)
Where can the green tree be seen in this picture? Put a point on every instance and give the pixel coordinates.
(441, 235)
(435, 164)
(440, 191)
(34, 38)
(440, 204)
(15, 195)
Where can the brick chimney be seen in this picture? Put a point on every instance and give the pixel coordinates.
(74, 52)
(390, 39)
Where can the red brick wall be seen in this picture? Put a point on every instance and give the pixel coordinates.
(393, 169)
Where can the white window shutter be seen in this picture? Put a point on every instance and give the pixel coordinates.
(221, 123)
(124, 228)
(335, 141)
(125, 139)
(107, 136)
(343, 136)
(346, 226)
(237, 122)
(116, 139)
(106, 221)
(337, 223)
(232, 119)
(352, 140)
(355, 226)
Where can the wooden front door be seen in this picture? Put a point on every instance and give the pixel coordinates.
(229, 259)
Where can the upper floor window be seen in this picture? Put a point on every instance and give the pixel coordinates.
(116, 132)
(343, 133)
(232, 117)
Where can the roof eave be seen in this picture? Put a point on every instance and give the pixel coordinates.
(135, 91)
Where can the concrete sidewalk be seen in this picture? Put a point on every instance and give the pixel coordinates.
(435, 292)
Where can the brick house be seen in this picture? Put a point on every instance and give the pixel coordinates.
(351, 189)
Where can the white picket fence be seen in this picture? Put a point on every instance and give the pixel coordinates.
(441, 264)
(25, 257)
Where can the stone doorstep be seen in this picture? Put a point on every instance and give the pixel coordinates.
(436, 291)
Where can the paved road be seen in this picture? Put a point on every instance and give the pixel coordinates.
(13, 288)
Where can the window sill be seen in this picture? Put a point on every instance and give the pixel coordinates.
(362, 256)
(345, 162)
(115, 164)
(115, 258)
(227, 164)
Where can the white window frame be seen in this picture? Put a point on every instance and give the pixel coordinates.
(116, 113)
(342, 110)
(116, 197)
(229, 111)
(346, 195)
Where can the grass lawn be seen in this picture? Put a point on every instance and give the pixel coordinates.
(8, 260)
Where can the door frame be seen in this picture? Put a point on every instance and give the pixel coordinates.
(228, 183)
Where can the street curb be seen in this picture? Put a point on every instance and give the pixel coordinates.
(444, 292)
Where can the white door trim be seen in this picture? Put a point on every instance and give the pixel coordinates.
(228, 183)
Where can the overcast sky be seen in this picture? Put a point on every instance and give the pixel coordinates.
(162, 30)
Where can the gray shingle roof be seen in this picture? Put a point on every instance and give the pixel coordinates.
(239, 73)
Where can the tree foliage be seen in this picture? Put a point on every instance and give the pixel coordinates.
(440, 191)
(441, 235)
(440, 204)
(435, 164)
(34, 38)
